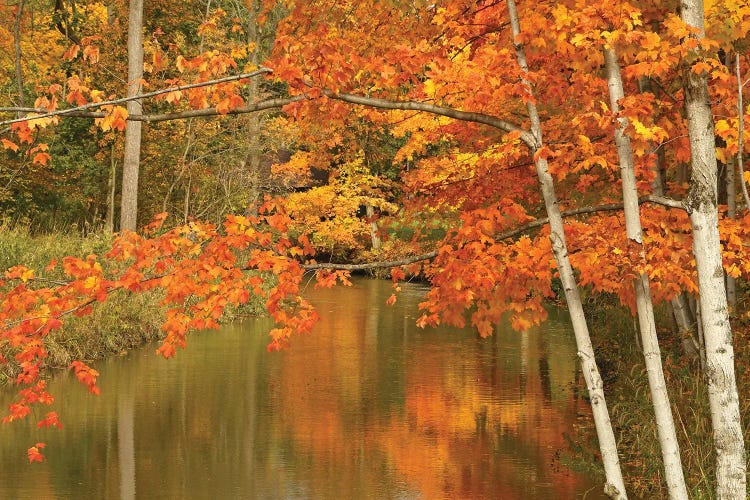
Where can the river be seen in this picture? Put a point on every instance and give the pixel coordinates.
(366, 406)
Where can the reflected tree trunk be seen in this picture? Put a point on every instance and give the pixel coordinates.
(126, 442)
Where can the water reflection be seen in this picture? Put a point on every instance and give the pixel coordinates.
(368, 406)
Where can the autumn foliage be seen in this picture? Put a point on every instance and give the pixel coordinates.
(469, 174)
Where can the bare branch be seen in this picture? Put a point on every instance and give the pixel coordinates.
(177, 115)
(466, 116)
(372, 265)
(94, 105)
(195, 113)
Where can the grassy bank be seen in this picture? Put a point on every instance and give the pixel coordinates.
(629, 401)
(124, 321)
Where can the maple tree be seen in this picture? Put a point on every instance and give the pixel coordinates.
(478, 102)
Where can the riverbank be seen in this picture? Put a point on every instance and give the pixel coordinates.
(123, 322)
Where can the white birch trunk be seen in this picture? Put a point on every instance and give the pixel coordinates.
(615, 486)
(132, 160)
(701, 203)
(670, 448)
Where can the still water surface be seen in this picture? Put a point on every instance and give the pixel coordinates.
(367, 406)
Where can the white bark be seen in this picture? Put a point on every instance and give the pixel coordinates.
(704, 216)
(615, 486)
(132, 160)
(670, 448)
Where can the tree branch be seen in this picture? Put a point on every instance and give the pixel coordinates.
(371, 265)
(466, 116)
(94, 105)
(179, 115)
(609, 207)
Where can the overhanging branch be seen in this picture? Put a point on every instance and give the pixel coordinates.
(609, 207)
(466, 116)
(179, 115)
(94, 105)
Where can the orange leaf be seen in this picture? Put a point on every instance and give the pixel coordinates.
(71, 53)
(34, 454)
(41, 158)
(10, 145)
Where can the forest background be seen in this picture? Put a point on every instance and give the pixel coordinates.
(275, 139)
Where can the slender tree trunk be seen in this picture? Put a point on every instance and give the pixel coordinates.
(615, 486)
(131, 163)
(670, 448)
(255, 120)
(109, 224)
(731, 185)
(701, 337)
(685, 325)
(741, 132)
(701, 203)
(18, 55)
(186, 205)
(678, 304)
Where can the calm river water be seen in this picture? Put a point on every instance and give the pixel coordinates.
(367, 406)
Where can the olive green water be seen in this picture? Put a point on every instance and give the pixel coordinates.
(367, 406)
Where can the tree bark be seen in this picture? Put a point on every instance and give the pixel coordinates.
(615, 486)
(18, 55)
(109, 223)
(704, 217)
(131, 162)
(670, 448)
(731, 186)
(741, 132)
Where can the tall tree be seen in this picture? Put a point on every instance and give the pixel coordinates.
(664, 421)
(702, 205)
(615, 486)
